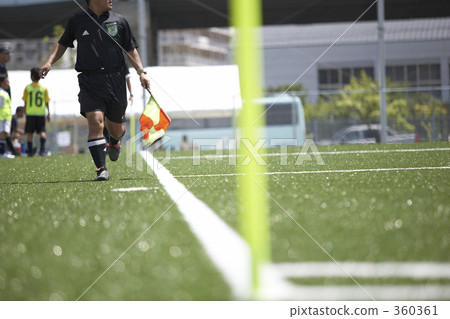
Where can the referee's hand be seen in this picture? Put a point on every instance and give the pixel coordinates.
(44, 70)
(145, 82)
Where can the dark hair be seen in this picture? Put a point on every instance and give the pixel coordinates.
(87, 1)
(35, 74)
(19, 108)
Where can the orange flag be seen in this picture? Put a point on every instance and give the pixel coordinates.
(154, 122)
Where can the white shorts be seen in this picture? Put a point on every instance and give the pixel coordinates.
(5, 126)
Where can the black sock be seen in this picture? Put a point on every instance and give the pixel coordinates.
(30, 148)
(43, 139)
(97, 147)
(11, 147)
(113, 140)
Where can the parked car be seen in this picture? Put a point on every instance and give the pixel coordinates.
(365, 134)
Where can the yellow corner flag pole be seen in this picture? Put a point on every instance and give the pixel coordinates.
(246, 17)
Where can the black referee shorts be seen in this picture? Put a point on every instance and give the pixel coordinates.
(35, 123)
(104, 92)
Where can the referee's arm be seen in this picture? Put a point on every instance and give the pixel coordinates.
(57, 53)
(135, 60)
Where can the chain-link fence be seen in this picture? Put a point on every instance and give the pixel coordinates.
(426, 129)
(419, 112)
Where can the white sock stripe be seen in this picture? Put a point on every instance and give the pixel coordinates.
(96, 142)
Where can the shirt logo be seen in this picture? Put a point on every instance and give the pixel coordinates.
(112, 29)
(85, 33)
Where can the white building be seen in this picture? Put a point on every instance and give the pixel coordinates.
(194, 47)
(191, 47)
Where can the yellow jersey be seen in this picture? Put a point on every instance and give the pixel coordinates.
(5, 106)
(36, 98)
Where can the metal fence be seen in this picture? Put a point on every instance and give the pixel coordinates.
(426, 129)
(419, 111)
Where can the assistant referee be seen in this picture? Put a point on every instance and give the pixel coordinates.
(102, 36)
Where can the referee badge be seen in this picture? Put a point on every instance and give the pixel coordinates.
(112, 29)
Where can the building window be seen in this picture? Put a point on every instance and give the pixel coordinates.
(415, 74)
(411, 73)
(334, 79)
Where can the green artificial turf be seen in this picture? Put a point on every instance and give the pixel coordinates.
(363, 216)
(59, 231)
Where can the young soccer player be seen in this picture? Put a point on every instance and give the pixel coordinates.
(36, 101)
(5, 117)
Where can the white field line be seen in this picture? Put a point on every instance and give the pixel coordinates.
(385, 292)
(414, 270)
(228, 251)
(219, 156)
(278, 288)
(133, 189)
(325, 171)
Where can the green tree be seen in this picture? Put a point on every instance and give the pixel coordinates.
(363, 103)
(429, 111)
(325, 109)
(287, 88)
(360, 100)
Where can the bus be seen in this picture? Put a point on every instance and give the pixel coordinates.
(218, 129)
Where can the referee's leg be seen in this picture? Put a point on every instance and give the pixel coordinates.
(116, 131)
(96, 140)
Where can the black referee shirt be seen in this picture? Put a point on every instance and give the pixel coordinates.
(96, 50)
